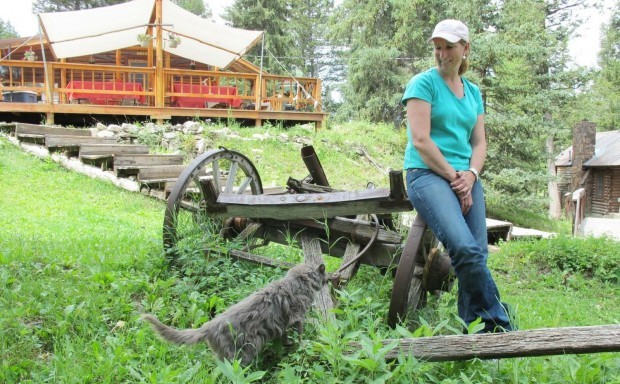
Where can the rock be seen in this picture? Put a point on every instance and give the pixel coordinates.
(106, 134)
(201, 145)
(191, 127)
(222, 132)
(170, 135)
(114, 128)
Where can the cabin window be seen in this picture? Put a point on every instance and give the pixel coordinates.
(598, 186)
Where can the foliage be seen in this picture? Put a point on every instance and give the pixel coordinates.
(309, 31)
(41, 6)
(144, 38)
(606, 111)
(80, 259)
(197, 7)
(30, 54)
(271, 16)
(593, 257)
(7, 30)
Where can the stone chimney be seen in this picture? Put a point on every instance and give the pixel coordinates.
(584, 141)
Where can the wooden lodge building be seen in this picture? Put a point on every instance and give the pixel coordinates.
(592, 163)
(89, 66)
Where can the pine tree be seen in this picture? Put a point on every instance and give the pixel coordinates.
(271, 16)
(7, 30)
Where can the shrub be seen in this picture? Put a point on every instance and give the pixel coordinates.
(593, 257)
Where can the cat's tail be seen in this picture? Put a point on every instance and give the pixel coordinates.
(181, 336)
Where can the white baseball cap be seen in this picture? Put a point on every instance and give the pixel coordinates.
(451, 30)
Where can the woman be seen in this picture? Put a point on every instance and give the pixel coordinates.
(445, 152)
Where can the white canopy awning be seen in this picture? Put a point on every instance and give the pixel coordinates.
(86, 32)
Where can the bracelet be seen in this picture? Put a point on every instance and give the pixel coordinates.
(475, 172)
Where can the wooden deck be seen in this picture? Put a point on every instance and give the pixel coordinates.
(72, 114)
(70, 93)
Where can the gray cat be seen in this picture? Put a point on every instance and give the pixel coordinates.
(244, 328)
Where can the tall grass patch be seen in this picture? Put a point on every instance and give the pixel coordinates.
(81, 259)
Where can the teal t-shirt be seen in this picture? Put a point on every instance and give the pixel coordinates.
(452, 119)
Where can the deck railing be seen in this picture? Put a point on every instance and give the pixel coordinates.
(55, 82)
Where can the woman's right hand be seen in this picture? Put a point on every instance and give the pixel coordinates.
(462, 186)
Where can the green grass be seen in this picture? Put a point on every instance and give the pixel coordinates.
(80, 259)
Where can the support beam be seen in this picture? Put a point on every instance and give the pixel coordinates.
(313, 255)
(536, 342)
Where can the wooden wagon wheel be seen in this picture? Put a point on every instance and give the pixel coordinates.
(408, 293)
(188, 208)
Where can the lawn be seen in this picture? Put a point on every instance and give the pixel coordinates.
(80, 259)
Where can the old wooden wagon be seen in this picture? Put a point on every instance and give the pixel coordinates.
(225, 187)
(221, 192)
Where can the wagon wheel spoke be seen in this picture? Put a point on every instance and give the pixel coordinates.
(232, 173)
(216, 175)
(244, 185)
(189, 211)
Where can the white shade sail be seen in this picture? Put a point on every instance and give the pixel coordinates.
(86, 32)
(204, 41)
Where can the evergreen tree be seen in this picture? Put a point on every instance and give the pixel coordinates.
(373, 72)
(7, 30)
(526, 91)
(44, 6)
(197, 7)
(607, 83)
(271, 16)
(308, 28)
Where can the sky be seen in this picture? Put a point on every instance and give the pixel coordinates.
(583, 48)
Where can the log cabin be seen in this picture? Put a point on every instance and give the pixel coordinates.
(592, 163)
(90, 65)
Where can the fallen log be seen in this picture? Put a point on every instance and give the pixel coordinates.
(536, 342)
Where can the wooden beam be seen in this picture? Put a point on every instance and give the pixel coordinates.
(130, 163)
(314, 255)
(59, 141)
(380, 254)
(35, 129)
(536, 342)
(311, 205)
(261, 260)
(159, 173)
(112, 149)
(355, 230)
(160, 80)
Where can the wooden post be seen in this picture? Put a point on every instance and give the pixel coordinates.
(317, 96)
(63, 83)
(159, 58)
(49, 90)
(314, 256)
(536, 342)
(118, 60)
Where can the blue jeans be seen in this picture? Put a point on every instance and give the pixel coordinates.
(465, 238)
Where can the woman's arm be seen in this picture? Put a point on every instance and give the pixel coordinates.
(478, 143)
(465, 179)
(419, 119)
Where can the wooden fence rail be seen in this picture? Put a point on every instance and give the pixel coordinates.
(536, 342)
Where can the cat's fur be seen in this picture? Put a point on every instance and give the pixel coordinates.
(243, 329)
